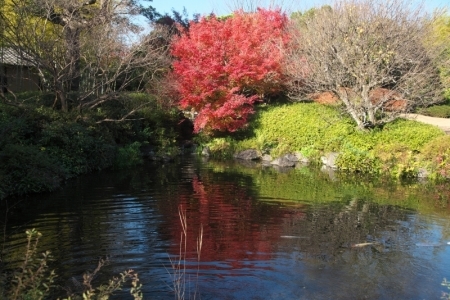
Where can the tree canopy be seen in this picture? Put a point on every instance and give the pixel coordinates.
(82, 50)
(224, 65)
(361, 46)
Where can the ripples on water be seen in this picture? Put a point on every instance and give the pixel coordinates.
(266, 234)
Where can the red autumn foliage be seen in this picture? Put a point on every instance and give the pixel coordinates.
(223, 66)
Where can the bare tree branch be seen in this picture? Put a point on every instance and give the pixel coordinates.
(357, 48)
(81, 50)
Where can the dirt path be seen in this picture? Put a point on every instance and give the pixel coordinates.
(442, 123)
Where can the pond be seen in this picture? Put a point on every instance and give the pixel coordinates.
(266, 233)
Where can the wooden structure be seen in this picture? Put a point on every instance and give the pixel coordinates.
(17, 72)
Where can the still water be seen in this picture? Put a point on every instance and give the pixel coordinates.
(266, 233)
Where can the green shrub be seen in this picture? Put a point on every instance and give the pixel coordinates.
(354, 158)
(436, 156)
(128, 156)
(314, 130)
(27, 169)
(40, 147)
(78, 149)
(293, 127)
(437, 111)
(396, 159)
(412, 134)
(33, 98)
(221, 148)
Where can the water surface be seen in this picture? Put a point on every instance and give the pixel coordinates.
(266, 233)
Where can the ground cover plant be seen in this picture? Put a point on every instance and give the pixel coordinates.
(400, 148)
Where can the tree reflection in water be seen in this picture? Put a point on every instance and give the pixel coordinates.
(281, 234)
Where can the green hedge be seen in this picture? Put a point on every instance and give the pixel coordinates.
(437, 111)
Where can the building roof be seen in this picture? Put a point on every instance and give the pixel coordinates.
(15, 57)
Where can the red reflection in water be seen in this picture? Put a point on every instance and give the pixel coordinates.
(236, 228)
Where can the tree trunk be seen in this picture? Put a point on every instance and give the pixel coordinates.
(353, 112)
(73, 57)
(368, 105)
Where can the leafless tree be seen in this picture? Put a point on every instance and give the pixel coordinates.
(253, 5)
(369, 54)
(86, 52)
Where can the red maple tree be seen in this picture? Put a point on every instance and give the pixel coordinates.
(224, 65)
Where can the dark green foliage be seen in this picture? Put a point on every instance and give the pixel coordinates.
(26, 169)
(128, 156)
(391, 150)
(437, 111)
(357, 157)
(41, 147)
(78, 149)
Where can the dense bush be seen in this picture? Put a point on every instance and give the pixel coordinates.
(396, 159)
(437, 111)
(412, 134)
(306, 127)
(78, 149)
(436, 156)
(41, 147)
(25, 169)
(128, 156)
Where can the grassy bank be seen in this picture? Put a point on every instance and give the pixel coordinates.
(402, 148)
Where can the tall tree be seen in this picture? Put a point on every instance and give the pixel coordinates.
(440, 38)
(360, 46)
(83, 49)
(224, 65)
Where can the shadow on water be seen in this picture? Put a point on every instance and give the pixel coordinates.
(267, 234)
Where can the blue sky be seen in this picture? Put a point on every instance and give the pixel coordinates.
(221, 7)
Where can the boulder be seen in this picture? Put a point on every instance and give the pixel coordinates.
(301, 158)
(291, 157)
(266, 157)
(206, 151)
(283, 162)
(249, 154)
(329, 159)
